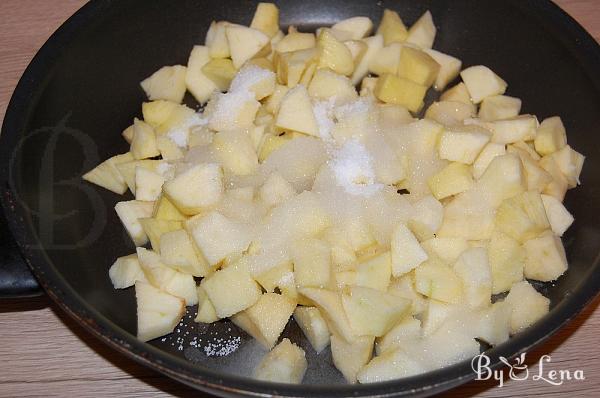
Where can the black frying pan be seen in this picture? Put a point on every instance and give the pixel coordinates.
(82, 89)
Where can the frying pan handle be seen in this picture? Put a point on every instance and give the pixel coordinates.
(16, 279)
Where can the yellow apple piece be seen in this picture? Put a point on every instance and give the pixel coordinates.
(473, 268)
(386, 59)
(296, 113)
(167, 83)
(422, 33)
(178, 251)
(551, 136)
(375, 272)
(447, 249)
(314, 327)
(128, 134)
(154, 229)
(485, 157)
(438, 281)
(400, 91)
(196, 82)
(197, 188)
(507, 259)
(570, 163)
(221, 71)
(406, 330)
(391, 365)
(286, 363)
(559, 217)
(462, 143)
(312, 263)
(482, 82)
(330, 306)
(206, 310)
(418, 66)
(522, 217)
(234, 110)
(451, 180)
(165, 210)
(126, 271)
(356, 27)
(458, 93)
(520, 128)
(244, 43)
(327, 84)
(270, 315)
(107, 175)
(499, 107)
(130, 213)
(148, 184)
(276, 190)
(143, 144)
(274, 100)
(295, 41)
(392, 28)
(545, 258)
(407, 253)
(449, 68)
(216, 40)
(349, 357)
(266, 19)
(333, 54)
(528, 306)
(450, 113)
(236, 152)
(361, 68)
(157, 312)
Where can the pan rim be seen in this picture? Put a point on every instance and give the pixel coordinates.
(60, 291)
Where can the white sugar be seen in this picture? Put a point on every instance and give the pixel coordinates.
(323, 111)
(222, 347)
(227, 104)
(179, 137)
(353, 169)
(179, 134)
(248, 77)
(361, 105)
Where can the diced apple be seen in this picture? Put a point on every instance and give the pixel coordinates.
(216, 40)
(422, 33)
(276, 190)
(436, 280)
(349, 357)
(330, 306)
(233, 110)
(450, 113)
(183, 286)
(314, 327)
(143, 144)
(418, 66)
(206, 310)
(458, 93)
(485, 157)
(195, 189)
(220, 285)
(169, 150)
(375, 272)
(392, 28)
(537, 178)
(270, 314)
(125, 272)
(154, 229)
(545, 258)
(292, 65)
(295, 41)
(357, 27)
(374, 44)
(266, 19)
(435, 315)
(196, 81)
(391, 365)
(522, 217)
(128, 134)
(551, 136)
(507, 259)
(130, 213)
(528, 306)
(503, 178)
(244, 43)
(236, 152)
(559, 185)
(274, 100)
(570, 163)
(406, 330)
(327, 84)
(397, 90)
(427, 217)
(221, 71)
(312, 263)
(334, 54)
(386, 60)
(482, 82)
(177, 251)
(407, 254)
(257, 80)
(499, 107)
(462, 144)
(286, 363)
(217, 237)
(474, 269)
(165, 210)
(559, 217)
(404, 287)
(157, 312)
(447, 249)
(296, 113)
(520, 128)
(451, 180)
(449, 68)
(107, 175)
(168, 83)
(148, 184)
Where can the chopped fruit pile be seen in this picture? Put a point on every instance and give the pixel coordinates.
(292, 194)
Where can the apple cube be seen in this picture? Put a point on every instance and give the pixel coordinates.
(406, 330)
(206, 310)
(130, 213)
(451, 180)
(266, 19)
(154, 229)
(392, 28)
(507, 259)
(375, 272)
(350, 356)
(427, 217)
(244, 43)
(221, 71)
(372, 312)
(330, 306)
(234, 278)
(148, 184)
(386, 60)
(528, 306)
(449, 68)
(125, 272)
(236, 152)
(537, 178)
(499, 107)
(107, 175)
(482, 82)
(559, 217)
(545, 258)
(397, 90)
(436, 280)
(422, 33)
(196, 82)
(447, 249)
(450, 112)
(485, 157)
(257, 80)
(361, 69)
(143, 144)
(327, 84)
(551, 136)
(295, 41)
(286, 363)
(183, 286)
(178, 251)
(276, 190)
(233, 110)
(356, 27)
(391, 365)
(216, 40)
(458, 93)
(312, 263)
(274, 100)
(522, 217)
(559, 185)
(462, 144)
(418, 66)
(314, 327)
(291, 66)
(570, 163)
(296, 113)
(473, 268)
(165, 210)
(520, 128)
(157, 312)
(217, 236)
(404, 287)
(435, 315)
(407, 254)
(333, 54)
(167, 83)
(195, 189)
(270, 315)
(169, 150)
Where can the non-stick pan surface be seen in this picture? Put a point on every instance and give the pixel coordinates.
(82, 89)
